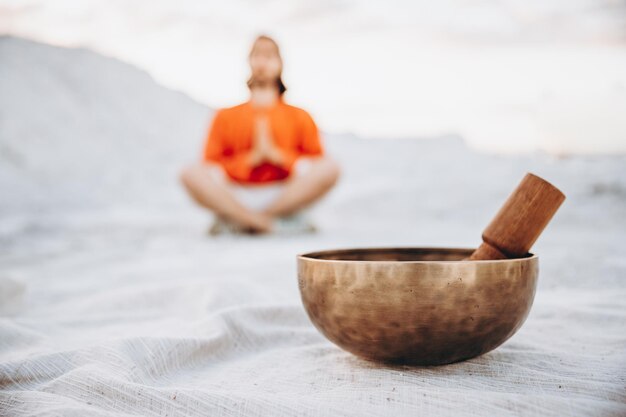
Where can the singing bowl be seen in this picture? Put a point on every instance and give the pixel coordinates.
(416, 306)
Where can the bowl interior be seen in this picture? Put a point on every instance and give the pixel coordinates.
(394, 254)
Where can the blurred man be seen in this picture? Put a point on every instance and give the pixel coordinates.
(263, 159)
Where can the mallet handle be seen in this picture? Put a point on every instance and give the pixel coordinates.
(521, 220)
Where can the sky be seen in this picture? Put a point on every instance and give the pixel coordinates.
(508, 76)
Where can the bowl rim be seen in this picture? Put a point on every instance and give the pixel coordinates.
(309, 258)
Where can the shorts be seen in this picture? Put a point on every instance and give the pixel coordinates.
(259, 196)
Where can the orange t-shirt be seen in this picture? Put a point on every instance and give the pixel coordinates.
(230, 139)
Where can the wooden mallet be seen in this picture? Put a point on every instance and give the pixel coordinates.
(520, 221)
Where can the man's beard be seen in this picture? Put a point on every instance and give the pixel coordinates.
(262, 82)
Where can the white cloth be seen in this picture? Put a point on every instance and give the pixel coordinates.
(259, 196)
(139, 314)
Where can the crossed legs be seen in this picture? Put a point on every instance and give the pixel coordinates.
(299, 192)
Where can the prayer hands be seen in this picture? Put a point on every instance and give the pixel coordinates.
(264, 148)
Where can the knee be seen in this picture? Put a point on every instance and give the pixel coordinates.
(330, 171)
(188, 175)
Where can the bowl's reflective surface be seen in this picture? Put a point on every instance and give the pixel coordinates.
(423, 306)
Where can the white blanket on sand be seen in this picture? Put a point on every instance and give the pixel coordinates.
(140, 313)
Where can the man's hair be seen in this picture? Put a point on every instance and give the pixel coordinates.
(279, 81)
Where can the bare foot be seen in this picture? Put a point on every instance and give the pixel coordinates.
(260, 223)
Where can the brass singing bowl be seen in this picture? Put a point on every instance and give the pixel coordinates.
(417, 306)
